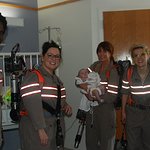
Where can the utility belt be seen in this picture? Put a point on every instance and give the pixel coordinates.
(139, 106)
(132, 103)
(49, 110)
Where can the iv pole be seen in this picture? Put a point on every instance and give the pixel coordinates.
(49, 29)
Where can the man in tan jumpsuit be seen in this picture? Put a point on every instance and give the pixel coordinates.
(3, 27)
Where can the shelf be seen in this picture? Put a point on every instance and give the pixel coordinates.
(15, 22)
(10, 126)
(7, 123)
(2, 44)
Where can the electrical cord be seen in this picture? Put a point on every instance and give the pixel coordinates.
(71, 125)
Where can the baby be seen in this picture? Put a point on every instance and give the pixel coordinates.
(95, 89)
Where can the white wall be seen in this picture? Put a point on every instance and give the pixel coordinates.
(81, 24)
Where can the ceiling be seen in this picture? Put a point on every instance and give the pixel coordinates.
(42, 3)
(48, 2)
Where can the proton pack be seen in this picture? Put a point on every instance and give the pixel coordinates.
(15, 66)
(121, 67)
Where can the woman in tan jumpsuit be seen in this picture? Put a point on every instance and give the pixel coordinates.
(136, 100)
(38, 126)
(101, 124)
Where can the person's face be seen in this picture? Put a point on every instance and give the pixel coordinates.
(51, 59)
(140, 57)
(83, 74)
(1, 32)
(103, 56)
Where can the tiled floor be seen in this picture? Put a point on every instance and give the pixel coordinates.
(67, 149)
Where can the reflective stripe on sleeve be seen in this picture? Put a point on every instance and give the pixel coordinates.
(140, 87)
(125, 87)
(51, 96)
(113, 92)
(140, 93)
(30, 85)
(113, 86)
(125, 84)
(113, 89)
(103, 83)
(31, 93)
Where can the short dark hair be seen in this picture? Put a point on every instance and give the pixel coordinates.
(3, 21)
(48, 45)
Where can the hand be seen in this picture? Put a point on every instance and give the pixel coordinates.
(103, 89)
(67, 109)
(43, 136)
(89, 97)
(93, 93)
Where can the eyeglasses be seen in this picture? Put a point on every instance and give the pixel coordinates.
(139, 55)
(51, 56)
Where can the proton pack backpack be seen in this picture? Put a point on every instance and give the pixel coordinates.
(122, 67)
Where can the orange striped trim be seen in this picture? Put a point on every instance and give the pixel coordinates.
(17, 6)
(23, 113)
(57, 4)
(37, 9)
(129, 73)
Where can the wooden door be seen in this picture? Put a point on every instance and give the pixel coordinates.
(125, 28)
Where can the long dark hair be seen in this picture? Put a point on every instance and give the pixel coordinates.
(107, 47)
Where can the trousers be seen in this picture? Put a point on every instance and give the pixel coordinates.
(100, 135)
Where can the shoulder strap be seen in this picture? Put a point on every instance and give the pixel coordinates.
(107, 74)
(40, 77)
(58, 105)
(45, 105)
(129, 73)
(109, 70)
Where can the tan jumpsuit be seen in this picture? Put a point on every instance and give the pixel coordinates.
(137, 118)
(102, 135)
(32, 95)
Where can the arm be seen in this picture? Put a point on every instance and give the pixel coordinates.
(112, 86)
(83, 86)
(124, 102)
(67, 108)
(125, 95)
(31, 97)
(43, 136)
